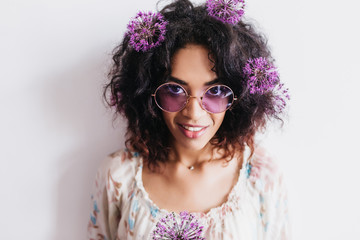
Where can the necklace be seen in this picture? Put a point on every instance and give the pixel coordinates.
(191, 167)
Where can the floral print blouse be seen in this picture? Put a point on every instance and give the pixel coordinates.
(256, 207)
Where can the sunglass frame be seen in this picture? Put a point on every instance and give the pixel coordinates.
(189, 96)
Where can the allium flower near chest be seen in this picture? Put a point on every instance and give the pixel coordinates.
(227, 11)
(172, 228)
(146, 30)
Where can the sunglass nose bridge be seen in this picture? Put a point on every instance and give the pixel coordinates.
(189, 96)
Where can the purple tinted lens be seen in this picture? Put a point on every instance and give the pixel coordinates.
(217, 99)
(171, 97)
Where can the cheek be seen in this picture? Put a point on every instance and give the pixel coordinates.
(168, 118)
(218, 119)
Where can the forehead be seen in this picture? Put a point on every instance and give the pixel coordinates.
(192, 65)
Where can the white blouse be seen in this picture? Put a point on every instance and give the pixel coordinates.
(256, 207)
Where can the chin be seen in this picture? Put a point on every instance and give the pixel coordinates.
(195, 147)
(192, 144)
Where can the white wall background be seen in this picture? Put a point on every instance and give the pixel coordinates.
(54, 128)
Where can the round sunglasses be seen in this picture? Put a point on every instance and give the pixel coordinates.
(172, 97)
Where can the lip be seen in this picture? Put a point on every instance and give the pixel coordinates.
(192, 134)
(191, 125)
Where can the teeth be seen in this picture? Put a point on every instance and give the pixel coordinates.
(193, 129)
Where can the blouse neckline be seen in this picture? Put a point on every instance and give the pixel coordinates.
(216, 213)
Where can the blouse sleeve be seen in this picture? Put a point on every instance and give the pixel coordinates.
(106, 198)
(268, 180)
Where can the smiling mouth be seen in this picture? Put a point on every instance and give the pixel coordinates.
(192, 131)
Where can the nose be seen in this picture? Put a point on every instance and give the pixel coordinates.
(193, 109)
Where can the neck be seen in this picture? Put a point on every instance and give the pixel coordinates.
(191, 158)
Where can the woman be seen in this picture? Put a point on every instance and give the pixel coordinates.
(195, 84)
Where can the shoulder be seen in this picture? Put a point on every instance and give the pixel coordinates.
(263, 171)
(266, 180)
(121, 162)
(117, 171)
(114, 179)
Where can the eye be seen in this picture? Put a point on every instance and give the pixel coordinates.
(175, 89)
(219, 91)
(215, 91)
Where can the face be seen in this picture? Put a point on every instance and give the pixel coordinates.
(193, 127)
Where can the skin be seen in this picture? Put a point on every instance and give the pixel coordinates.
(176, 188)
(192, 66)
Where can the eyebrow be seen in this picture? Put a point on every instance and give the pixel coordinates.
(182, 82)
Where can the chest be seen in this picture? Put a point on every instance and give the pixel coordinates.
(191, 192)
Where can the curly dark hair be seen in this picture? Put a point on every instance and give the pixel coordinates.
(135, 76)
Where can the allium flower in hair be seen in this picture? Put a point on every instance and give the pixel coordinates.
(281, 95)
(172, 228)
(146, 30)
(227, 11)
(262, 77)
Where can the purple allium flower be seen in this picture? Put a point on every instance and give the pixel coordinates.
(227, 11)
(261, 75)
(146, 30)
(172, 228)
(281, 95)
